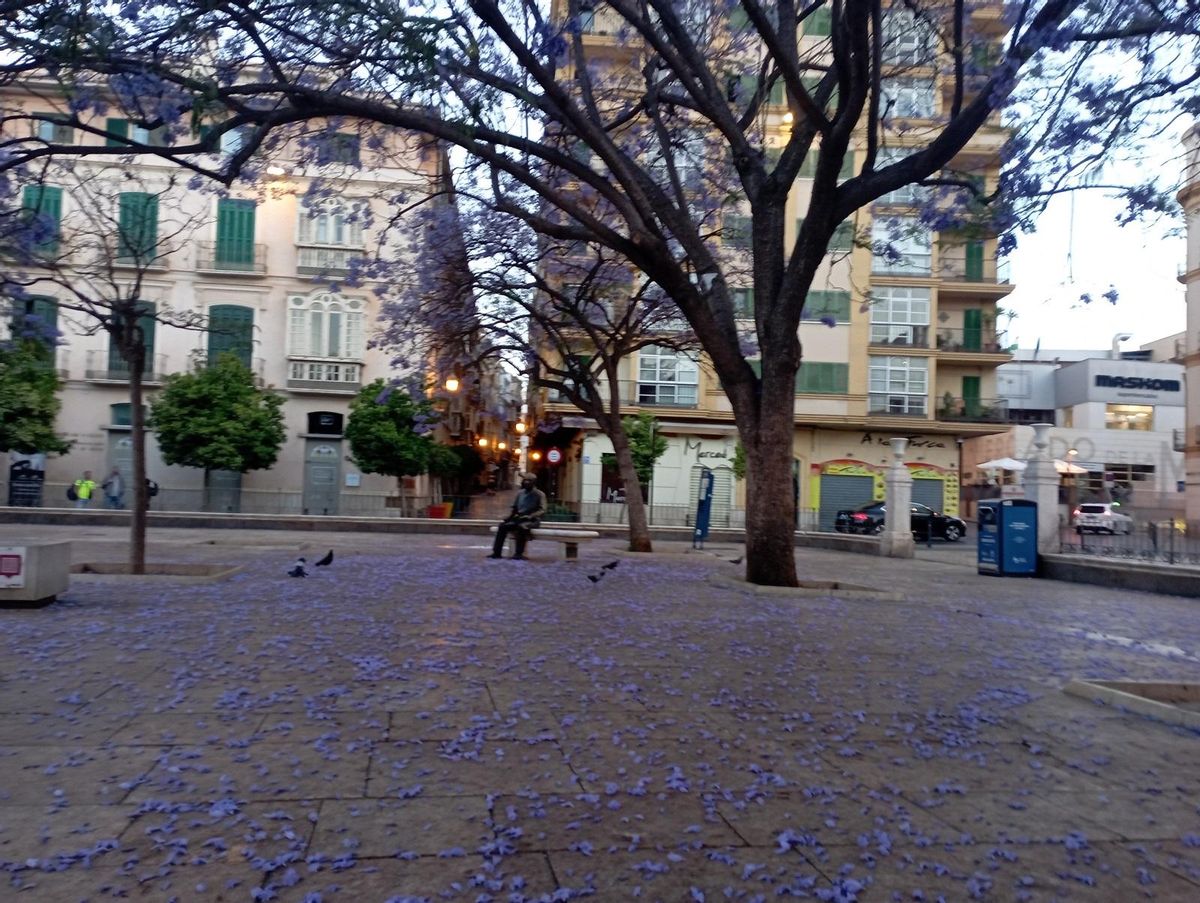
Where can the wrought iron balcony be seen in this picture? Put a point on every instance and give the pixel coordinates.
(103, 366)
(973, 410)
(983, 340)
(892, 334)
(227, 257)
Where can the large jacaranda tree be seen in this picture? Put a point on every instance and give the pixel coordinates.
(644, 156)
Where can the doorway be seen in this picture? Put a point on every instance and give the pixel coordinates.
(322, 474)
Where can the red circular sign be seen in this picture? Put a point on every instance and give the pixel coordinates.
(554, 456)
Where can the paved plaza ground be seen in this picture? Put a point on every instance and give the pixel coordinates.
(419, 723)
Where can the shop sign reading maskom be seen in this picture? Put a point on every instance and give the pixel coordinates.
(1137, 382)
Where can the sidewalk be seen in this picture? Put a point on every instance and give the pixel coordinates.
(417, 722)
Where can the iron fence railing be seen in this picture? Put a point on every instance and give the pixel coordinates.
(1165, 542)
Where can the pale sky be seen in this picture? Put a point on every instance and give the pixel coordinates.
(1088, 252)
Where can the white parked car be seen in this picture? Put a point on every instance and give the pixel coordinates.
(1101, 517)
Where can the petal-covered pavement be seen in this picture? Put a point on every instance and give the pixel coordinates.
(418, 723)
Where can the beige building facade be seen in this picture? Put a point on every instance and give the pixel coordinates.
(268, 267)
(900, 344)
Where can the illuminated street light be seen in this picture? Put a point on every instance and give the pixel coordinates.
(483, 442)
(452, 384)
(502, 445)
(535, 456)
(520, 427)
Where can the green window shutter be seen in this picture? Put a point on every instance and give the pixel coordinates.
(822, 378)
(972, 330)
(737, 232)
(843, 237)
(808, 168)
(235, 233)
(117, 129)
(230, 330)
(138, 225)
(819, 24)
(772, 155)
(847, 169)
(147, 324)
(777, 95)
(44, 204)
(743, 302)
(738, 18)
(822, 303)
(974, 262)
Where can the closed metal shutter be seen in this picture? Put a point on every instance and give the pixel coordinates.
(838, 492)
(929, 492)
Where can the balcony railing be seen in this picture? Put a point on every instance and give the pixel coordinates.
(644, 393)
(973, 410)
(971, 341)
(892, 334)
(907, 264)
(957, 265)
(313, 260)
(324, 376)
(223, 257)
(884, 404)
(105, 367)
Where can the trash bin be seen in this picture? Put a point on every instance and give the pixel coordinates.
(1007, 541)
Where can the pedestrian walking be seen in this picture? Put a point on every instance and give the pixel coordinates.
(83, 489)
(114, 490)
(527, 510)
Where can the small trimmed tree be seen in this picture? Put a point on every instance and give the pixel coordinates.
(29, 402)
(646, 443)
(216, 418)
(388, 431)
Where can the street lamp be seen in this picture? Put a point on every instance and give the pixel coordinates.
(501, 445)
(483, 443)
(520, 427)
(535, 456)
(452, 384)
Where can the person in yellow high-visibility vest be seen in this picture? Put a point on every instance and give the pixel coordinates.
(85, 488)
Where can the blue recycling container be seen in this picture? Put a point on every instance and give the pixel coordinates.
(1007, 543)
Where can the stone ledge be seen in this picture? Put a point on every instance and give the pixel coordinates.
(808, 589)
(1155, 699)
(1173, 580)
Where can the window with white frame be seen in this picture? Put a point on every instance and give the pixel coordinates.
(907, 40)
(901, 245)
(326, 325)
(330, 236)
(333, 223)
(898, 385)
(666, 377)
(900, 316)
(910, 195)
(907, 98)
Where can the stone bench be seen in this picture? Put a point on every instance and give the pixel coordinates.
(34, 574)
(570, 539)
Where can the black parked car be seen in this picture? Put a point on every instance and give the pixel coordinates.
(868, 518)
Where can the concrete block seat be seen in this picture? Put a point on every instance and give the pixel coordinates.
(570, 539)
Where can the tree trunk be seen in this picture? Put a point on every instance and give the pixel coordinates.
(639, 528)
(137, 421)
(770, 498)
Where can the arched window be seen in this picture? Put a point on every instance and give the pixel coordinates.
(326, 325)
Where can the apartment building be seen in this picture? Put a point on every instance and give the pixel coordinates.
(1189, 198)
(265, 267)
(904, 343)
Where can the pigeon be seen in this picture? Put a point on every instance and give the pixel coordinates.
(298, 569)
(595, 578)
(610, 565)
(326, 561)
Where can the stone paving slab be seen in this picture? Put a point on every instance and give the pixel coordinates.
(419, 722)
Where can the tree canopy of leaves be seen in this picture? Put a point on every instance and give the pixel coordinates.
(216, 418)
(646, 442)
(388, 431)
(29, 401)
